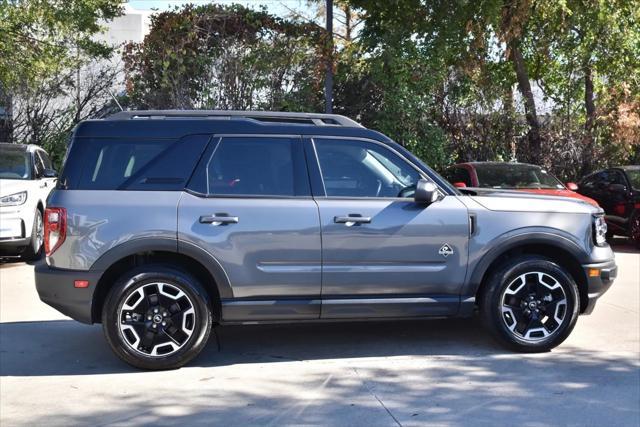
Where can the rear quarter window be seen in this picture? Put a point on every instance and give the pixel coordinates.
(132, 164)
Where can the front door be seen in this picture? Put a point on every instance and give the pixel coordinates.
(383, 254)
(250, 207)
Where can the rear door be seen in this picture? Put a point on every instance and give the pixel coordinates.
(383, 254)
(249, 206)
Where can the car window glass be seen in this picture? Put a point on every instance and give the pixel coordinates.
(46, 162)
(39, 167)
(252, 166)
(363, 169)
(461, 175)
(15, 165)
(109, 163)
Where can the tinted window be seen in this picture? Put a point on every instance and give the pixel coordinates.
(39, 166)
(363, 169)
(15, 164)
(513, 175)
(458, 174)
(634, 178)
(252, 166)
(46, 162)
(136, 164)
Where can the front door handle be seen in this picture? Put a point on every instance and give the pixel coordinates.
(218, 219)
(352, 219)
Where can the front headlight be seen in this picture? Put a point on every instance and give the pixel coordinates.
(599, 230)
(14, 199)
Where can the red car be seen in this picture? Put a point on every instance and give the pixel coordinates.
(511, 176)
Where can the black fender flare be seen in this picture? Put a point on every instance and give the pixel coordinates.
(166, 244)
(518, 238)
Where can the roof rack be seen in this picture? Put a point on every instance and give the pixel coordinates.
(262, 116)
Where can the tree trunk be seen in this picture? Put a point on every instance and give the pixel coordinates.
(590, 118)
(6, 117)
(524, 86)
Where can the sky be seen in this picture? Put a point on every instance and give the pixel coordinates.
(277, 7)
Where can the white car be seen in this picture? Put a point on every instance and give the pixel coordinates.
(26, 179)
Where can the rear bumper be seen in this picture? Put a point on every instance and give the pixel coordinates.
(14, 247)
(56, 288)
(598, 284)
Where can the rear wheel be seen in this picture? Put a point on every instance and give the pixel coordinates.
(531, 304)
(157, 318)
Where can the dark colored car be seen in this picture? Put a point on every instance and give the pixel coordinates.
(511, 176)
(617, 190)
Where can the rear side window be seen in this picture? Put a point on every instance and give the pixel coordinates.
(136, 164)
(253, 166)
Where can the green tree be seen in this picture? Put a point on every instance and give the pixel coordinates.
(42, 40)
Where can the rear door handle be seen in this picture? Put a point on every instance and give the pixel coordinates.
(352, 219)
(219, 219)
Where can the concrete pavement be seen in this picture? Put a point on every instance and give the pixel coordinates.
(54, 371)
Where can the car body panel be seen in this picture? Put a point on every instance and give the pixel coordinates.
(285, 258)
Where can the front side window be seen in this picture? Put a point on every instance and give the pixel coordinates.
(634, 178)
(353, 168)
(258, 166)
(15, 164)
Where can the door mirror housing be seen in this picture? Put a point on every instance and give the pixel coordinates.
(49, 173)
(572, 186)
(460, 185)
(426, 192)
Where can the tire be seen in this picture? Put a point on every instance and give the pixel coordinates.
(156, 317)
(34, 250)
(518, 288)
(634, 228)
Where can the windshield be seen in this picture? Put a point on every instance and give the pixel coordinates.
(14, 165)
(515, 176)
(634, 178)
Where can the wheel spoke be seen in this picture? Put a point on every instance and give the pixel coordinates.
(157, 319)
(534, 305)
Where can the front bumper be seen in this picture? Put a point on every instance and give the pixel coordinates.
(56, 288)
(15, 230)
(598, 284)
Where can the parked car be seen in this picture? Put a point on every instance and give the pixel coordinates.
(164, 223)
(26, 179)
(511, 176)
(617, 190)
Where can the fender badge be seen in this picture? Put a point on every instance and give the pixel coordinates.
(446, 250)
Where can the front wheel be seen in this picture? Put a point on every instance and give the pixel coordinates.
(34, 250)
(530, 304)
(157, 317)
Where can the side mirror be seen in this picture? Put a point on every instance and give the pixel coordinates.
(426, 192)
(49, 173)
(617, 188)
(572, 186)
(460, 185)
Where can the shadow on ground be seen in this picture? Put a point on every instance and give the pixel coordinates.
(67, 347)
(453, 376)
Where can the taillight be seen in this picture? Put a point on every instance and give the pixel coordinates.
(55, 228)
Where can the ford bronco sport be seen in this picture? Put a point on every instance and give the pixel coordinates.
(164, 223)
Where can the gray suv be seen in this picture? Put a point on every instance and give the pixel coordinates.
(165, 223)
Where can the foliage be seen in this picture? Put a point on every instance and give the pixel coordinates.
(39, 37)
(226, 57)
(49, 77)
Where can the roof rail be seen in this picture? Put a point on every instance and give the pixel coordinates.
(263, 116)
